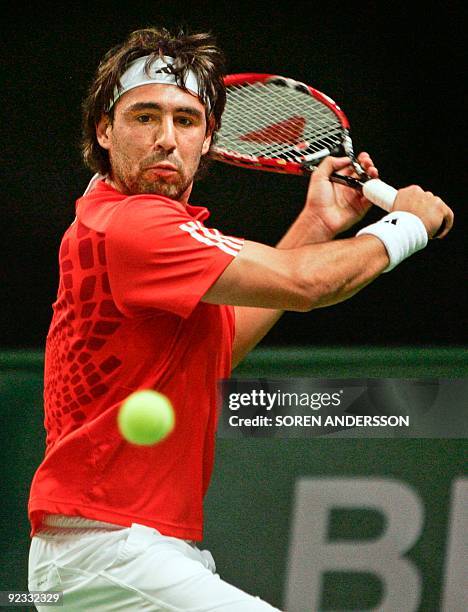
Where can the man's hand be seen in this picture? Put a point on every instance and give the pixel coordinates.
(337, 207)
(432, 211)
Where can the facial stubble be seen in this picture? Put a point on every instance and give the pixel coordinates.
(133, 183)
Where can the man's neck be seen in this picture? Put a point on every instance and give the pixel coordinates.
(183, 199)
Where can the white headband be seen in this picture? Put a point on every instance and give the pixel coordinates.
(160, 71)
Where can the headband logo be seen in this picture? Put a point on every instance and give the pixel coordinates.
(165, 70)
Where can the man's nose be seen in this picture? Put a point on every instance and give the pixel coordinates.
(165, 136)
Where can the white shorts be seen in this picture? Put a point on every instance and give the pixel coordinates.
(108, 568)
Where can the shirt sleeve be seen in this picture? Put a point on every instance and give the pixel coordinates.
(159, 257)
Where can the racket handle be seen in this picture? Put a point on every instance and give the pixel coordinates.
(375, 190)
(379, 193)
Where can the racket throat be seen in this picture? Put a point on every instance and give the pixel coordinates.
(349, 151)
(345, 148)
(310, 162)
(349, 181)
(309, 165)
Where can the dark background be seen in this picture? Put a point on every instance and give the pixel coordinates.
(397, 73)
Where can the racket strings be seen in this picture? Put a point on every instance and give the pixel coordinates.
(272, 120)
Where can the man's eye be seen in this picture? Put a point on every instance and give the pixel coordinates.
(143, 118)
(186, 121)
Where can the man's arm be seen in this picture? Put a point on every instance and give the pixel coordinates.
(329, 209)
(310, 276)
(252, 324)
(299, 279)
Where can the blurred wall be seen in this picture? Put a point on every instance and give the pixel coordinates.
(256, 500)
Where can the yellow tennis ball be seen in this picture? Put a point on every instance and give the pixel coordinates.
(146, 417)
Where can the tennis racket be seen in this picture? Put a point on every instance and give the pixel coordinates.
(277, 124)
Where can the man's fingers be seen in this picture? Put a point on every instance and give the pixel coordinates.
(329, 165)
(367, 164)
(343, 164)
(333, 164)
(447, 224)
(446, 213)
(432, 210)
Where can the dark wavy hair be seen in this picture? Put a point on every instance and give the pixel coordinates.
(197, 51)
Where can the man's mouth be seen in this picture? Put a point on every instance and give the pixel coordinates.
(163, 168)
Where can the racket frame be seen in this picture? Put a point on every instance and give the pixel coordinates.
(283, 166)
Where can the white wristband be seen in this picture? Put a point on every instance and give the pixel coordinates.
(402, 234)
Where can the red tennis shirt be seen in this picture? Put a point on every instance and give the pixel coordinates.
(128, 316)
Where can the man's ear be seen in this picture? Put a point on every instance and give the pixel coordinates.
(208, 135)
(103, 131)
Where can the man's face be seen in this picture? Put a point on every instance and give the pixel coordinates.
(155, 141)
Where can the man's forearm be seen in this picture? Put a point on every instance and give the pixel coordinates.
(252, 324)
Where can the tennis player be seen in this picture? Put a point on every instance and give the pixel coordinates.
(151, 297)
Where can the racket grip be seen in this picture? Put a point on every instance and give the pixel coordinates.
(379, 193)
